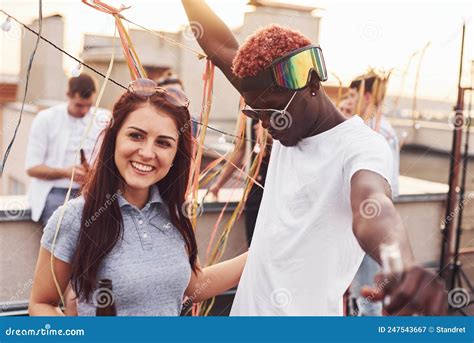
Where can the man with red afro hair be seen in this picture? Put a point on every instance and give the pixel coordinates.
(263, 47)
(327, 196)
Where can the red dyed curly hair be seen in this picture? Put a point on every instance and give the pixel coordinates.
(264, 46)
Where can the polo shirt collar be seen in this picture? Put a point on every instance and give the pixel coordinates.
(154, 197)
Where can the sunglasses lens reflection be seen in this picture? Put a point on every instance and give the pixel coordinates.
(176, 97)
(251, 113)
(142, 87)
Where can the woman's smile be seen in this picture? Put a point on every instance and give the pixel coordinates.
(142, 168)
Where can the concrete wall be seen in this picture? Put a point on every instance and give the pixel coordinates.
(19, 245)
(47, 78)
(15, 166)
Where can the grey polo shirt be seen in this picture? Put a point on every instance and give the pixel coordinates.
(149, 267)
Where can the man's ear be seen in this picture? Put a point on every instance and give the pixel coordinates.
(314, 86)
(314, 82)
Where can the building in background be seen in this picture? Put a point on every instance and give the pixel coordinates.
(48, 79)
(8, 90)
(47, 86)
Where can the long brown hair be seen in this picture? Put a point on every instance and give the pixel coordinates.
(102, 223)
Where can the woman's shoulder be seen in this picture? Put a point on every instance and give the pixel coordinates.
(74, 207)
(77, 202)
(69, 214)
(62, 229)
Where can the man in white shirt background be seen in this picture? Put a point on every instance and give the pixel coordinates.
(54, 138)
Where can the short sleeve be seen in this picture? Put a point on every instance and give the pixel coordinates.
(369, 152)
(68, 234)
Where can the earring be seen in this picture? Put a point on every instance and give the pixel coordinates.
(314, 88)
(314, 83)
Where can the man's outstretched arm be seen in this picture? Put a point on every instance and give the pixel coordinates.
(376, 222)
(215, 38)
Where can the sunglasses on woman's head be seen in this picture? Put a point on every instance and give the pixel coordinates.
(146, 88)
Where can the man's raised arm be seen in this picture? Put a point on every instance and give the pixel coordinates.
(215, 38)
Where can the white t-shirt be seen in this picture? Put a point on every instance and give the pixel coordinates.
(304, 254)
(77, 126)
(391, 137)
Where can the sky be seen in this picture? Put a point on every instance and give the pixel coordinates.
(354, 35)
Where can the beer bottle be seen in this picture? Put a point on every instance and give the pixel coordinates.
(104, 298)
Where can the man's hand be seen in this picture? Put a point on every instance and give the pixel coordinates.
(79, 173)
(416, 291)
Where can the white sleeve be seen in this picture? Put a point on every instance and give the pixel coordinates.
(370, 152)
(37, 142)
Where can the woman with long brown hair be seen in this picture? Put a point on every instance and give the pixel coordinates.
(129, 225)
